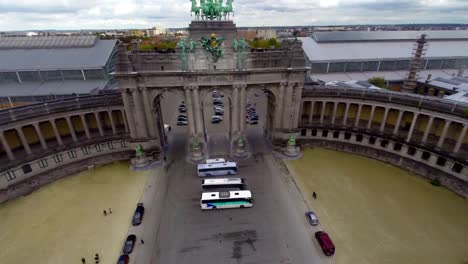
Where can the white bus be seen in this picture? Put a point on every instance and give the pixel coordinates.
(217, 169)
(223, 184)
(218, 160)
(228, 199)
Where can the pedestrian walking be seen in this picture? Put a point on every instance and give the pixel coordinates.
(110, 210)
(83, 260)
(314, 195)
(142, 241)
(104, 212)
(169, 128)
(165, 158)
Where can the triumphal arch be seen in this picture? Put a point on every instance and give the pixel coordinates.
(212, 56)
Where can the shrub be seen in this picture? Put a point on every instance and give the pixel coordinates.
(435, 182)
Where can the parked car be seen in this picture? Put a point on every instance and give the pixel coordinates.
(219, 113)
(182, 118)
(123, 259)
(182, 123)
(182, 109)
(312, 217)
(217, 107)
(138, 215)
(219, 100)
(255, 117)
(218, 103)
(216, 119)
(325, 243)
(129, 244)
(253, 122)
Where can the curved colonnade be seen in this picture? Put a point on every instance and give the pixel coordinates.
(42, 142)
(425, 135)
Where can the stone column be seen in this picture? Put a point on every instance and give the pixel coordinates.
(149, 114)
(191, 120)
(40, 136)
(295, 105)
(124, 117)
(71, 128)
(242, 108)
(56, 132)
(141, 126)
(279, 107)
(311, 115)
(384, 119)
(235, 111)
(358, 115)
(413, 125)
(346, 112)
(85, 126)
(322, 113)
(287, 109)
(99, 123)
(128, 114)
(369, 123)
(111, 118)
(6, 146)
(23, 140)
(428, 129)
(198, 111)
(335, 107)
(461, 137)
(398, 122)
(444, 133)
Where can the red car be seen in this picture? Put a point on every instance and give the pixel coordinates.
(325, 242)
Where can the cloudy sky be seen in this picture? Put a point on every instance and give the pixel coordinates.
(108, 14)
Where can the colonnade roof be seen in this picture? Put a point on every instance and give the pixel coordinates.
(388, 75)
(378, 50)
(51, 87)
(24, 58)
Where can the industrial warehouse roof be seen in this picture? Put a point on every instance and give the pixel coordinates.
(365, 51)
(63, 54)
(387, 75)
(362, 36)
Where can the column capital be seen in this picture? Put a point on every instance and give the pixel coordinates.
(283, 83)
(35, 124)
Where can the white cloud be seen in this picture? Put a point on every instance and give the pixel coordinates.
(84, 14)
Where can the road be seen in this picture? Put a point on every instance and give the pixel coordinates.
(273, 231)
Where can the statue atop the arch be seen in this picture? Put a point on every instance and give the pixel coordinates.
(212, 9)
(213, 46)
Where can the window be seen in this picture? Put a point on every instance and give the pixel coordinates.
(98, 147)
(425, 155)
(353, 66)
(337, 67)
(384, 143)
(457, 167)
(318, 67)
(397, 146)
(347, 135)
(372, 140)
(336, 134)
(58, 158)
(411, 151)
(10, 175)
(72, 154)
(325, 133)
(110, 145)
(43, 163)
(370, 66)
(314, 132)
(85, 150)
(26, 168)
(359, 138)
(123, 144)
(441, 161)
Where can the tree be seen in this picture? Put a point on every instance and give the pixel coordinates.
(378, 81)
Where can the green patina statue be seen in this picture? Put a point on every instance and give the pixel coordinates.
(192, 46)
(138, 151)
(183, 54)
(195, 144)
(240, 142)
(213, 46)
(212, 9)
(292, 141)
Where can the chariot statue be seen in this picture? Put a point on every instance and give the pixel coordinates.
(212, 9)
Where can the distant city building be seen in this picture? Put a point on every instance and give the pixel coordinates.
(247, 34)
(360, 55)
(266, 33)
(137, 33)
(36, 69)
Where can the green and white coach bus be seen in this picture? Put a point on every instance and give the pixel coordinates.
(228, 199)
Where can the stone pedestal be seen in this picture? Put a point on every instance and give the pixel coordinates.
(292, 151)
(196, 154)
(141, 163)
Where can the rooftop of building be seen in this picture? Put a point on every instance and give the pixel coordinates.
(379, 36)
(54, 53)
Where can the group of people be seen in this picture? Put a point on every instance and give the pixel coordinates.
(105, 212)
(96, 259)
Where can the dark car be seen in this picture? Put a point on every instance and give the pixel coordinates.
(253, 122)
(325, 243)
(182, 118)
(218, 113)
(123, 259)
(254, 117)
(312, 217)
(138, 215)
(218, 103)
(129, 244)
